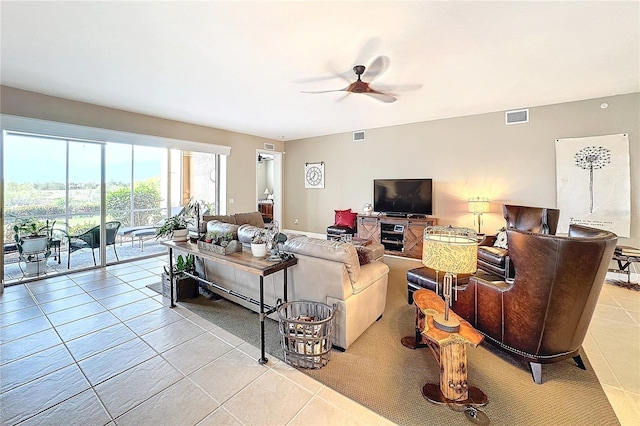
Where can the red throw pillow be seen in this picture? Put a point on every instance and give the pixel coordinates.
(345, 218)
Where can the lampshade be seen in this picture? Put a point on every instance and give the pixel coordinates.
(450, 249)
(266, 191)
(478, 205)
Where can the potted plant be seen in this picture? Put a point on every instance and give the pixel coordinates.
(219, 242)
(218, 238)
(33, 240)
(175, 227)
(259, 243)
(186, 286)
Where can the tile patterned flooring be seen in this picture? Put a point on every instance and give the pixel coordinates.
(100, 348)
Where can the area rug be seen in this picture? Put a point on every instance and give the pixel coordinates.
(381, 374)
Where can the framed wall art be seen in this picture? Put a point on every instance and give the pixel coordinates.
(594, 183)
(314, 175)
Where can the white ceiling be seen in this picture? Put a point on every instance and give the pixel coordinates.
(241, 66)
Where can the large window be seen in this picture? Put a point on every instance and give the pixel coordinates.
(84, 184)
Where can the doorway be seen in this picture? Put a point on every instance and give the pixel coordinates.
(269, 184)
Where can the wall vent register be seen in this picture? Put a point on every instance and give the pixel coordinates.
(516, 116)
(358, 136)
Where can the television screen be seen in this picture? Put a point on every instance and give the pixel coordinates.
(403, 196)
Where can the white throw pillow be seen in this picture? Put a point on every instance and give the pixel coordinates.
(501, 240)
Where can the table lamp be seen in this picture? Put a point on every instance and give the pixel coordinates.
(453, 251)
(477, 206)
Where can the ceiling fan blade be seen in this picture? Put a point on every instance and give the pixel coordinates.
(322, 91)
(400, 87)
(382, 97)
(346, 76)
(377, 68)
(341, 98)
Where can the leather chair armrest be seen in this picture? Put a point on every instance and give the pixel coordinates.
(488, 240)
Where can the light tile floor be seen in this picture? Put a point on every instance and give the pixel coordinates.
(100, 348)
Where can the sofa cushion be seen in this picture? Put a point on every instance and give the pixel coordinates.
(364, 256)
(376, 250)
(329, 250)
(222, 227)
(246, 232)
(253, 218)
(229, 218)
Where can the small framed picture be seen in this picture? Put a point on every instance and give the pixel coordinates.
(398, 228)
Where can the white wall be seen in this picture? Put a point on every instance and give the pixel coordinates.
(467, 156)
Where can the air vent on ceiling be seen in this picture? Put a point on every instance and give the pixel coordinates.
(269, 146)
(358, 136)
(516, 116)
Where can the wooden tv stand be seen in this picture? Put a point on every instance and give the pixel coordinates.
(401, 236)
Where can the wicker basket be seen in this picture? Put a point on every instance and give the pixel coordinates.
(305, 331)
(232, 247)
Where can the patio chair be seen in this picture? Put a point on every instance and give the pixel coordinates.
(91, 239)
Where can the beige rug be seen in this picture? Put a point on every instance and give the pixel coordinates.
(386, 377)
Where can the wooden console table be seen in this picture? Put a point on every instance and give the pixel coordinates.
(401, 236)
(449, 349)
(242, 260)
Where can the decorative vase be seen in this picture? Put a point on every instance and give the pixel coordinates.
(180, 235)
(368, 209)
(259, 250)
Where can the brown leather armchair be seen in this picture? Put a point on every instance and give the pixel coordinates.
(495, 260)
(543, 315)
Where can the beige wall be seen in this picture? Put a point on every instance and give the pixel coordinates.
(241, 165)
(467, 156)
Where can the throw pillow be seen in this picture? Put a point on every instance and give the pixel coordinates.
(363, 256)
(345, 218)
(501, 240)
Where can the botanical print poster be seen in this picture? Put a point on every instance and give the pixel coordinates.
(593, 183)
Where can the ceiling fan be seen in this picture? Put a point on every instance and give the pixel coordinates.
(378, 66)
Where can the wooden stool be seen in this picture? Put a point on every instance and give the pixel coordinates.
(449, 349)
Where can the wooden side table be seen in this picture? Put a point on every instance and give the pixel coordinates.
(449, 349)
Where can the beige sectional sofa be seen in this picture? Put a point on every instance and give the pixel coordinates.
(327, 271)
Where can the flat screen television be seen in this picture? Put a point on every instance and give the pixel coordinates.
(403, 197)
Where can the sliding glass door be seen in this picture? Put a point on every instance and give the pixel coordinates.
(104, 199)
(60, 182)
